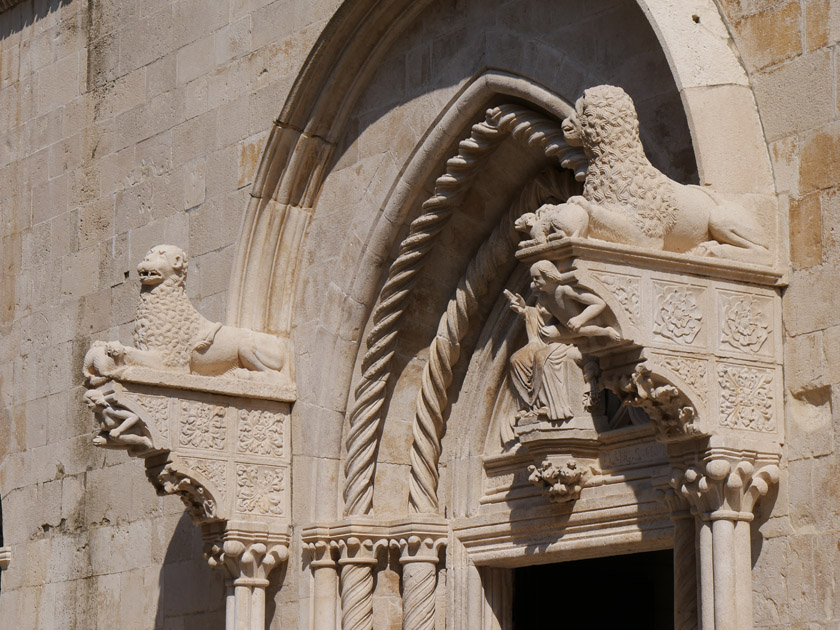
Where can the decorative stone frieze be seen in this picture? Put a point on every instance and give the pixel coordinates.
(206, 407)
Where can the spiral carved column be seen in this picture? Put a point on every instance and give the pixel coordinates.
(419, 559)
(357, 561)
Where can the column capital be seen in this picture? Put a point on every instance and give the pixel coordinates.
(725, 487)
(246, 556)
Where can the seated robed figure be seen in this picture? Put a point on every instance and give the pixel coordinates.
(564, 315)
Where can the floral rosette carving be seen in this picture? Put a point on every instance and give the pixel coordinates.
(742, 325)
(746, 398)
(260, 432)
(260, 490)
(679, 317)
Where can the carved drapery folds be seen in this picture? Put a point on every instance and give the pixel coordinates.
(207, 408)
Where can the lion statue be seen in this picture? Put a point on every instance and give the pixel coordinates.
(627, 200)
(170, 334)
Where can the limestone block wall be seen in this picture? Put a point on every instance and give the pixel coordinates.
(790, 52)
(123, 124)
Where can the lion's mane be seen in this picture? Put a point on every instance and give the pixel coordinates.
(167, 322)
(619, 172)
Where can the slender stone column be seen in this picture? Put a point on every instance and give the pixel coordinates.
(325, 577)
(247, 559)
(722, 492)
(706, 603)
(419, 559)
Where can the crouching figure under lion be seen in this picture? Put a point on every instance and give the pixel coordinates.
(170, 334)
(627, 200)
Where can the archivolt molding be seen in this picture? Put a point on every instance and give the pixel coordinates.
(549, 187)
(524, 126)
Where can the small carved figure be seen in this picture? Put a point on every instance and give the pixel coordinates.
(627, 200)
(576, 313)
(170, 334)
(120, 427)
(564, 315)
(537, 369)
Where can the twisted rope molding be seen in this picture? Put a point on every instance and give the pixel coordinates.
(550, 186)
(525, 126)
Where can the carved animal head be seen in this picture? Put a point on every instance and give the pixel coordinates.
(525, 222)
(603, 113)
(161, 263)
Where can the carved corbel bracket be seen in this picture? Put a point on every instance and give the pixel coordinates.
(222, 446)
(559, 482)
(699, 339)
(5, 557)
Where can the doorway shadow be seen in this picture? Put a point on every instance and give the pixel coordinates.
(189, 590)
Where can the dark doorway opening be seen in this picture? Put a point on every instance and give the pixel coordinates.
(631, 592)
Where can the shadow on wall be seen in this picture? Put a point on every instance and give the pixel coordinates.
(189, 590)
(26, 13)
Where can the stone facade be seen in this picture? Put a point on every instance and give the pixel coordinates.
(361, 189)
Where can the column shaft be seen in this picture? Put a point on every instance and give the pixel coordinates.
(356, 596)
(724, 574)
(707, 586)
(324, 577)
(419, 581)
(685, 572)
(743, 575)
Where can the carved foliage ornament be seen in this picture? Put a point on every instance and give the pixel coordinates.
(673, 415)
(746, 397)
(626, 291)
(260, 432)
(172, 479)
(202, 425)
(260, 489)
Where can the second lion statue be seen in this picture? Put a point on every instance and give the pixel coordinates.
(170, 334)
(627, 200)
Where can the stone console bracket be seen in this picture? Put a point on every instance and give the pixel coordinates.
(700, 346)
(223, 446)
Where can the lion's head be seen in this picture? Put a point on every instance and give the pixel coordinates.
(161, 263)
(606, 125)
(605, 113)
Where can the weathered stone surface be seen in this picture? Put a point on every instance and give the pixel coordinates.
(124, 125)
